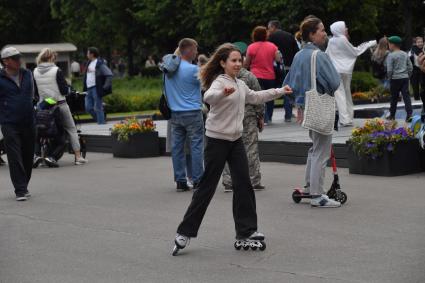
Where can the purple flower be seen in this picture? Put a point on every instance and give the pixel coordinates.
(390, 147)
(369, 145)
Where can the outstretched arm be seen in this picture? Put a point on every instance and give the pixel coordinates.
(262, 96)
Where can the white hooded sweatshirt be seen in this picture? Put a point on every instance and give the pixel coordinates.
(342, 53)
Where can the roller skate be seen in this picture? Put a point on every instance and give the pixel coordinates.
(180, 242)
(255, 241)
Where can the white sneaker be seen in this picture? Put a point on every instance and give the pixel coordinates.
(190, 183)
(81, 161)
(257, 236)
(324, 201)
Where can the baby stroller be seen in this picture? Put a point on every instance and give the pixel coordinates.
(50, 140)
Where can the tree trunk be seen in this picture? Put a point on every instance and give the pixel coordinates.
(407, 11)
(130, 55)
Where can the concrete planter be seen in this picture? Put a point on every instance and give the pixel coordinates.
(406, 159)
(138, 145)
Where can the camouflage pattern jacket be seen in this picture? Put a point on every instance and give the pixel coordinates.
(252, 82)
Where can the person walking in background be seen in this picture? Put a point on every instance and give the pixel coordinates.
(51, 83)
(97, 83)
(202, 60)
(288, 47)
(75, 69)
(417, 77)
(150, 62)
(261, 55)
(183, 91)
(227, 96)
(253, 122)
(379, 56)
(399, 69)
(121, 68)
(327, 82)
(343, 55)
(17, 119)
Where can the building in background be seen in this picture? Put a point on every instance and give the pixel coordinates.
(30, 51)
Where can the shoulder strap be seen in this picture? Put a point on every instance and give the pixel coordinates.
(313, 69)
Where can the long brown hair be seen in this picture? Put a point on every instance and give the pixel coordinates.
(381, 50)
(210, 71)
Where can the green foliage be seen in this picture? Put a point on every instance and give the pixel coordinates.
(151, 26)
(363, 81)
(27, 21)
(151, 72)
(132, 126)
(377, 136)
(131, 94)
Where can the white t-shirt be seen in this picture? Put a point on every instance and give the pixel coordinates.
(91, 74)
(75, 67)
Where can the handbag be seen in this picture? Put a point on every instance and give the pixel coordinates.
(319, 113)
(163, 103)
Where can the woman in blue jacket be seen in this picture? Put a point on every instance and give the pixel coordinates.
(328, 80)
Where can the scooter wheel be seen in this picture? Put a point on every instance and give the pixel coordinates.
(296, 197)
(341, 197)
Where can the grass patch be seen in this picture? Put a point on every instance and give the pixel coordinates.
(122, 114)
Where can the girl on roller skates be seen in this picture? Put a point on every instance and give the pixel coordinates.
(226, 96)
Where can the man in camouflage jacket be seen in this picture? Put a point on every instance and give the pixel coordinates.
(253, 123)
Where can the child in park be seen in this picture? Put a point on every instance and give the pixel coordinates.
(226, 95)
(399, 69)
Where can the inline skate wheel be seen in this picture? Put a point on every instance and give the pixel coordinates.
(246, 247)
(341, 197)
(237, 245)
(296, 197)
(263, 246)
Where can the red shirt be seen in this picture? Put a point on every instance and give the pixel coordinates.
(262, 54)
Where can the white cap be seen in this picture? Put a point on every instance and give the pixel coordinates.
(9, 52)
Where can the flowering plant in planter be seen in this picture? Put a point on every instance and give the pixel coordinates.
(132, 126)
(377, 136)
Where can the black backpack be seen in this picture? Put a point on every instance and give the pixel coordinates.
(46, 122)
(163, 104)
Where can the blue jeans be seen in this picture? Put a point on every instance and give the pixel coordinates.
(191, 125)
(268, 84)
(287, 105)
(94, 105)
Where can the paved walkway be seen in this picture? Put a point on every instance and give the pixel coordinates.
(114, 220)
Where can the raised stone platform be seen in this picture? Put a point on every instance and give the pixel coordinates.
(279, 142)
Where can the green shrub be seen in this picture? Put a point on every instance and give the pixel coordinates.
(363, 81)
(151, 72)
(131, 94)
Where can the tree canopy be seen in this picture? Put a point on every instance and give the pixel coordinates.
(137, 28)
